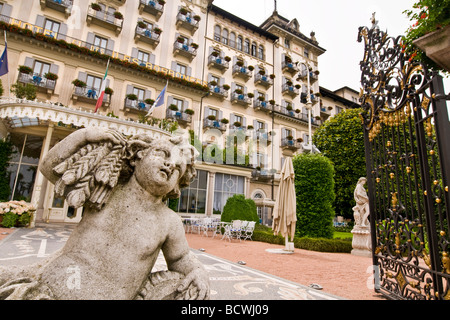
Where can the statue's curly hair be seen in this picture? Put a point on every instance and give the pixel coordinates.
(90, 174)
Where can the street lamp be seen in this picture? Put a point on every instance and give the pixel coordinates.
(310, 147)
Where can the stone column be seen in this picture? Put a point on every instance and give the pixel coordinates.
(361, 243)
(210, 193)
(37, 190)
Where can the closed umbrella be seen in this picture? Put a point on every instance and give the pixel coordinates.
(284, 212)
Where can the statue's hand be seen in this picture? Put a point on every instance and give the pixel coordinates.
(99, 135)
(195, 286)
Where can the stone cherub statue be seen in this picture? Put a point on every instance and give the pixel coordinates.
(361, 210)
(122, 183)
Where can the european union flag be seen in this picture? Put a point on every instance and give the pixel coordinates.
(4, 62)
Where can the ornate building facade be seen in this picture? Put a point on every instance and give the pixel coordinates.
(241, 91)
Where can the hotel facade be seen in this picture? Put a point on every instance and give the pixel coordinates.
(242, 92)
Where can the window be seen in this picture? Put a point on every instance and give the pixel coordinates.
(239, 43)
(261, 52)
(260, 160)
(287, 44)
(140, 93)
(143, 56)
(52, 25)
(93, 82)
(213, 112)
(23, 166)
(339, 109)
(193, 198)
(100, 42)
(247, 46)
(178, 103)
(217, 32)
(226, 186)
(40, 68)
(238, 119)
(181, 68)
(225, 36)
(260, 125)
(254, 49)
(232, 39)
(306, 53)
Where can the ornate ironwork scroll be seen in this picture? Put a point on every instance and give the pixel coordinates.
(407, 130)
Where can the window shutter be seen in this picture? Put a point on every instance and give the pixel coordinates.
(6, 11)
(129, 89)
(40, 20)
(134, 52)
(29, 62)
(185, 105)
(82, 76)
(54, 68)
(62, 31)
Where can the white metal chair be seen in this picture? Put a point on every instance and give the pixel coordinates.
(236, 230)
(248, 232)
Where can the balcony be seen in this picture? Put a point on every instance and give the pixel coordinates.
(214, 124)
(218, 63)
(136, 106)
(241, 72)
(289, 67)
(291, 144)
(154, 8)
(90, 95)
(263, 80)
(262, 175)
(262, 135)
(262, 105)
(290, 90)
(148, 36)
(64, 6)
(180, 117)
(313, 76)
(42, 84)
(187, 22)
(118, 2)
(185, 50)
(104, 19)
(241, 98)
(218, 91)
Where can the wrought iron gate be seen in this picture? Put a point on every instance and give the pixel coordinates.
(407, 141)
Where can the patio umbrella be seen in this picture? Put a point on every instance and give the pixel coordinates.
(284, 212)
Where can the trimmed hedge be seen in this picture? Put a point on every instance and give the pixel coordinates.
(240, 208)
(264, 234)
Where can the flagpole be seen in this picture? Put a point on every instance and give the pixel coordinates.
(9, 85)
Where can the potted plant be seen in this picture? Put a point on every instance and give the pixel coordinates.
(227, 59)
(431, 28)
(25, 69)
(131, 96)
(211, 117)
(237, 124)
(261, 98)
(109, 91)
(226, 87)
(183, 11)
(189, 112)
(262, 72)
(157, 30)
(289, 137)
(250, 95)
(213, 83)
(297, 86)
(272, 102)
(51, 76)
(180, 39)
(142, 24)
(224, 121)
(96, 6)
(238, 91)
(240, 63)
(272, 76)
(194, 45)
(162, 2)
(215, 53)
(79, 83)
(251, 68)
(173, 107)
(118, 15)
(197, 18)
(250, 127)
(149, 101)
(289, 107)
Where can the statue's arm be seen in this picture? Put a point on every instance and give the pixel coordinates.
(71, 144)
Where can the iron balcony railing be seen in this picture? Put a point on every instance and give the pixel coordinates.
(37, 80)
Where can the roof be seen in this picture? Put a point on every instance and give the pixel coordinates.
(328, 93)
(243, 22)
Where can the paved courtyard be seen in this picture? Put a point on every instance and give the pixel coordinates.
(229, 280)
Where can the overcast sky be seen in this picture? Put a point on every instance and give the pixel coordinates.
(335, 23)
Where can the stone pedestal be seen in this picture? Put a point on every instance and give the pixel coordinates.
(362, 243)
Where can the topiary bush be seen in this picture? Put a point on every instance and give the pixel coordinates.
(314, 185)
(239, 208)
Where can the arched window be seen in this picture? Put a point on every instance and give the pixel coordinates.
(261, 52)
(239, 43)
(232, 40)
(247, 46)
(253, 49)
(225, 36)
(217, 32)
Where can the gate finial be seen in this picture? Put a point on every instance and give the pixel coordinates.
(374, 21)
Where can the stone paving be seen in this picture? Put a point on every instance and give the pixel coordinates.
(229, 280)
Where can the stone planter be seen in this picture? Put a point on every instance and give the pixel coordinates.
(436, 46)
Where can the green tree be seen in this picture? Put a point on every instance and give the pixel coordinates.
(6, 150)
(314, 185)
(24, 91)
(239, 208)
(341, 139)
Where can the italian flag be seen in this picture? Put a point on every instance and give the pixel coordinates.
(102, 90)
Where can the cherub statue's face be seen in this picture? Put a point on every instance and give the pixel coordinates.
(160, 168)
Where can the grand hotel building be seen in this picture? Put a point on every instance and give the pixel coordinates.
(226, 77)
